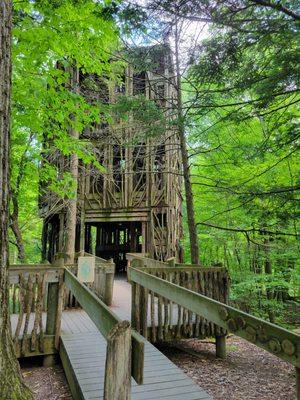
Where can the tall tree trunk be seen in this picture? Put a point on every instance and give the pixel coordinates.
(71, 216)
(12, 386)
(189, 197)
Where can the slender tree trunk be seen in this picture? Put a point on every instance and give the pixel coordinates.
(14, 194)
(71, 216)
(268, 270)
(11, 383)
(189, 197)
(14, 224)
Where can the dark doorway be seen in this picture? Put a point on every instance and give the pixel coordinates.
(113, 240)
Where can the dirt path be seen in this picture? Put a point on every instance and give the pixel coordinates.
(248, 373)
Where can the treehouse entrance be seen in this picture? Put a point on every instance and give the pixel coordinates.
(113, 240)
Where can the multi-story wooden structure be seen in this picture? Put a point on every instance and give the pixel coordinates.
(134, 204)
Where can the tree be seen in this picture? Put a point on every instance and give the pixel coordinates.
(46, 109)
(12, 386)
(240, 103)
(71, 214)
(189, 197)
(164, 24)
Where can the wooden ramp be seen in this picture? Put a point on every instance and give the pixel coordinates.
(83, 351)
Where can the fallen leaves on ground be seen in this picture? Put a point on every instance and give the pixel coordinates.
(248, 373)
(47, 383)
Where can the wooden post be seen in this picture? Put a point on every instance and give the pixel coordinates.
(171, 261)
(144, 294)
(52, 309)
(117, 382)
(44, 241)
(109, 286)
(133, 304)
(61, 232)
(135, 299)
(82, 228)
(221, 346)
(297, 383)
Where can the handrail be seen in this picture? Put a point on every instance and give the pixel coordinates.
(105, 320)
(187, 268)
(102, 260)
(272, 338)
(148, 261)
(32, 267)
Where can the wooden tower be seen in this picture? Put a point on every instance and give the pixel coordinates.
(134, 204)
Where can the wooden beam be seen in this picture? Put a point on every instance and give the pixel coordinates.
(276, 340)
(48, 347)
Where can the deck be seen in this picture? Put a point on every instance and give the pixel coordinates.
(83, 351)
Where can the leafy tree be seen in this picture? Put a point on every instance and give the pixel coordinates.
(240, 101)
(12, 386)
(49, 39)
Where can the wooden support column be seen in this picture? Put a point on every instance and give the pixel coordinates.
(136, 302)
(54, 311)
(44, 241)
(221, 346)
(82, 229)
(87, 245)
(117, 382)
(144, 295)
(61, 232)
(144, 236)
(109, 286)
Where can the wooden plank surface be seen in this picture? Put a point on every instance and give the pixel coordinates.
(84, 351)
(163, 380)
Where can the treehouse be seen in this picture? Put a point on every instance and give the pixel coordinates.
(133, 203)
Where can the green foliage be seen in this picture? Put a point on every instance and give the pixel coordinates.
(48, 34)
(243, 126)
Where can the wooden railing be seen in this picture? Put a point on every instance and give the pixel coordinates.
(272, 338)
(36, 295)
(125, 348)
(102, 285)
(159, 319)
(104, 279)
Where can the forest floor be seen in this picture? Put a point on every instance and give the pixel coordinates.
(248, 373)
(46, 383)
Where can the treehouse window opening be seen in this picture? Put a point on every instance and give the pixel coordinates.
(159, 62)
(159, 94)
(139, 83)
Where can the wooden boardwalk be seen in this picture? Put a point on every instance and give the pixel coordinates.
(83, 351)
